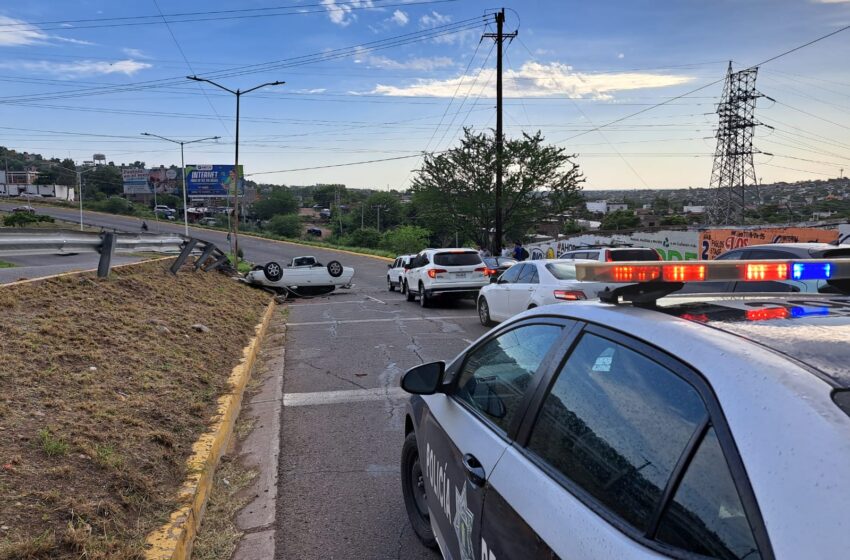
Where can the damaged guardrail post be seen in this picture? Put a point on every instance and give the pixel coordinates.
(107, 249)
(208, 251)
(184, 254)
(218, 262)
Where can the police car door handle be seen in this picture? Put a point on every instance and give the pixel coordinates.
(474, 471)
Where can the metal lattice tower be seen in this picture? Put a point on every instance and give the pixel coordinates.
(733, 166)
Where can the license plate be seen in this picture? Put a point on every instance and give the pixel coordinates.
(460, 274)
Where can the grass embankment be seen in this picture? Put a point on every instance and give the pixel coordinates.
(4, 264)
(106, 386)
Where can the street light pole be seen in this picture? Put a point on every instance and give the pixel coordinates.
(182, 171)
(238, 93)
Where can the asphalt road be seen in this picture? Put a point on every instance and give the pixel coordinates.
(339, 493)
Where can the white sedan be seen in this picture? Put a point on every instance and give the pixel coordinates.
(531, 284)
(303, 275)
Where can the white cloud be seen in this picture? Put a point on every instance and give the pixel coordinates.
(400, 18)
(421, 64)
(16, 33)
(534, 79)
(313, 90)
(134, 53)
(621, 56)
(341, 14)
(80, 67)
(543, 52)
(434, 19)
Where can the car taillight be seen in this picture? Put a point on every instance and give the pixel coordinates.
(482, 269)
(569, 295)
(490, 272)
(435, 271)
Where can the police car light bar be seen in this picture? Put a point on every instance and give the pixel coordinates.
(713, 271)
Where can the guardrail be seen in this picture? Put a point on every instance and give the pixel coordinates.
(106, 244)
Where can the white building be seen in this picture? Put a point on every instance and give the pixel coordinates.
(604, 206)
(694, 209)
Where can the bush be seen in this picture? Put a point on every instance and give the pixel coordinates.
(113, 205)
(21, 219)
(366, 237)
(406, 240)
(286, 225)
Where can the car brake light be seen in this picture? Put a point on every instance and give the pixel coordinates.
(483, 269)
(684, 273)
(489, 271)
(767, 314)
(435, 271)
(770, 271)
(569, 295)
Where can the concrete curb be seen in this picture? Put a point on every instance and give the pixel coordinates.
(174, 540)
(78, 272)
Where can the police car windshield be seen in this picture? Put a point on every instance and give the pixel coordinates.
(812, 330)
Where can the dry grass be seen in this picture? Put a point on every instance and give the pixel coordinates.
(106, 385)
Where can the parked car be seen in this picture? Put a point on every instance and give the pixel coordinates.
(682, 427)
(208, 221)
(303, 275)
(496, 266)
(533, 284)
(396, 273)
(23, 210)
(440, 272)
(314, 231)
(612, 254)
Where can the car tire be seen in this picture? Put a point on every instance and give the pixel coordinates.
(410, 295)
(402, 287)
(484, 312)
(390, 284)
(413, 490)
(273, 271)
(424, 300)
(335, 269)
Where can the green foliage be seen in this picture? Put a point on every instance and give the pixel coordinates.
(674, 221)
(620, 219)
(52, 445)
(280, 201)
(366, 237)
(113, 205)
(286, 225)
(406, 240)
(391, 212)
(325, 195)
(571, 227)
(454, 192)
(170, 200)
(23, 219)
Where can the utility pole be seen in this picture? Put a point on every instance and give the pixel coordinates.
(182, 171)
(378, 208)
(500, 37)
(238, 178)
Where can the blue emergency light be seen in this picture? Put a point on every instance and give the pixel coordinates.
(811, 271)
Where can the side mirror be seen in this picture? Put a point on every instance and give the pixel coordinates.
(424, 379)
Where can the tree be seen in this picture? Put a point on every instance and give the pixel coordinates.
(391, 211)
(674, 220)
(454, 192)
(366, 237)
(286, 225)
(280, 201)
(620, 219)
(325, 195)
(406, 240)
(571, 227)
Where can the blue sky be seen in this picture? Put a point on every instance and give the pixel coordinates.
(574, 66)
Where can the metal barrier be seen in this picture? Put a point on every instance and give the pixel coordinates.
(66, 242)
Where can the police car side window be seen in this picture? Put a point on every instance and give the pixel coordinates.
(615, 424)
(495, 376)
(706, 515)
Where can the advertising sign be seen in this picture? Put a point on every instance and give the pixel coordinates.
(146, 181)
(135, 181)
(714, 242)
(207, 181)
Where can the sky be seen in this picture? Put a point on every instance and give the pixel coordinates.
(387, 80)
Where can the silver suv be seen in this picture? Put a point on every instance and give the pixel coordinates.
(613, 254)
(435, 272)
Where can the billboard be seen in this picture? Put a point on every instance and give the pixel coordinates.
(672, 245)
(148, 181)
(714, 242)
(207, 181)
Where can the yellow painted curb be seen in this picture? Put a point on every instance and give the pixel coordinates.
(78, 272)
(174, 540)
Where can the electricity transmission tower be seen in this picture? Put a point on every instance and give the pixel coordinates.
(733, 166)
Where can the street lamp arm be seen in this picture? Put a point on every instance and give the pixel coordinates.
(202, 139)
(261, 86)
(197, 79)
(160, 137)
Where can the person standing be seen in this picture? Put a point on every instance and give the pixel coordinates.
(482, 252)
(520, 253)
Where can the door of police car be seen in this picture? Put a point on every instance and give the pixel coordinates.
(463, 433)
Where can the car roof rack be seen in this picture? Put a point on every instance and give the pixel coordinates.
(644, 282)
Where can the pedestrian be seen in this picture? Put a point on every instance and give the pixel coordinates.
(482, 252)
(144, 226)
(520, 253)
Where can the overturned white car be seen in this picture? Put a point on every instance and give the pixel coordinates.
(303, 276)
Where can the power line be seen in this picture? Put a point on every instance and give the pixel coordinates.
(335, 165)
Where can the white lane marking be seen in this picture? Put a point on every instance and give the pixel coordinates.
(376, 299)
(343, 397)
(437, 317)
(466, 340)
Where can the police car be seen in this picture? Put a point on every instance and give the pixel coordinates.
(668, 427)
